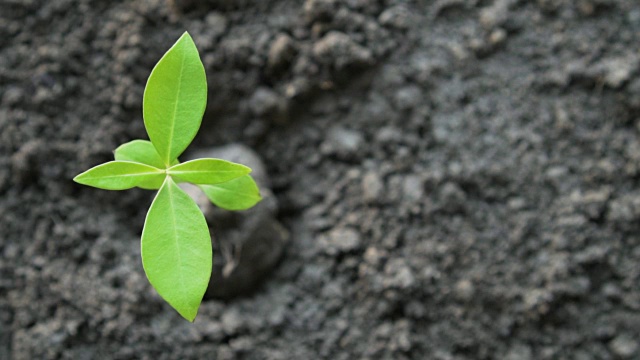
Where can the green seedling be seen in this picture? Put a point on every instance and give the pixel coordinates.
(176, 243)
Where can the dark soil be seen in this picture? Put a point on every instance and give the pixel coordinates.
(461, 179)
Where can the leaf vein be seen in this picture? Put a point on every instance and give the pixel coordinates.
(175, 110)
(175, 236)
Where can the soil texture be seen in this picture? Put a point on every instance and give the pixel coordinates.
(458, 179)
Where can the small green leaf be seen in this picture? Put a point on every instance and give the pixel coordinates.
(175, 99)
(176, 249)
(119, 175)
(142, 151)
(237, 194)
(207, 171)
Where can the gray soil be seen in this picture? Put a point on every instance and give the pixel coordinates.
(459, 179)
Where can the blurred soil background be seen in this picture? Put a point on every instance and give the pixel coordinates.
(448, 179)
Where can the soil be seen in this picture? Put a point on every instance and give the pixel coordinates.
(460, 179)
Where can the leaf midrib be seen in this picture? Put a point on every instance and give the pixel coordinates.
(175, 234)
(167, 160)
(123, 175)
(238, 194)
(182, 172)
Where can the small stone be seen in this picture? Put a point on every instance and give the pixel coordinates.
(497, 37)
(12, 96)
(412, 188)
(25, 161)
(624, 346)
(496, 14)
(216, 24)
(389, 134)
(342, 142)
(555, 172)
(256, 129)
(373, 256)
(341, 240)
(519, 352)
(592, 255)
(409, 97)
(464, 290)
(339, 50)
(319, 10)
(398, 275)
(372, 187)
(397, 17)
(297, 87)
(611, 291)
(231, 321)
(281, 52)
(617, 71)
(624, 209)
(401, 338)
(264, 101)
(516, 203)
(452, 197)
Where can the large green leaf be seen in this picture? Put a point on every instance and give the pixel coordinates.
(119, 175)
(237, 194)
(207, 171)
(175, 99)
(142, 151)
(176, 249)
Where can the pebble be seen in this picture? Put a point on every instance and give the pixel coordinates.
(452, 197)
(616, 71)
(496, 14)
(216, 24)
(519, 352)
(389, 134)
(412, 188)
(264, 101)
(341, 240)
(372, 187)
(409, 97)
(464, 290)
(624, 346)
(281, 52)
(398, 17)
(342, 142)
(319, 10)
(398, 275)
(339, 50)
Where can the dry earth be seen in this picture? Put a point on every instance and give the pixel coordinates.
(459, 179)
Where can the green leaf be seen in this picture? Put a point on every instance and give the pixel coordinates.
(142, 151)
(207, 171)
(175, 99)
(237, 194)
(176, 249)
(119, 175)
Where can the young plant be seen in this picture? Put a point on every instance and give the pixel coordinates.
(176, 244)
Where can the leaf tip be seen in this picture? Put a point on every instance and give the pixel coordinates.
(78, 178)
(188, 312)
(190, 316)
(186, 36)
